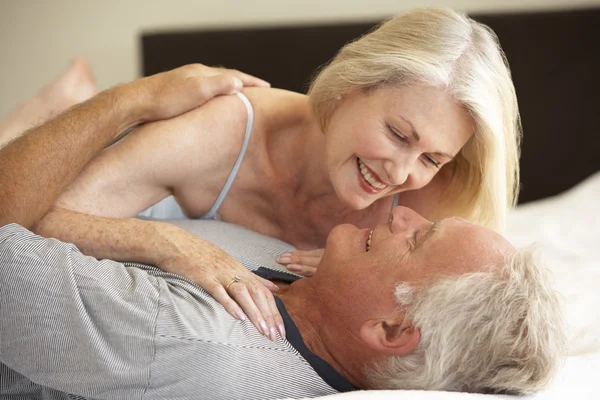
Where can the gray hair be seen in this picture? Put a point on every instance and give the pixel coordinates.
(442, 48)
(496, 331)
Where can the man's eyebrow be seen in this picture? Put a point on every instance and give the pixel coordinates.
(430, 232)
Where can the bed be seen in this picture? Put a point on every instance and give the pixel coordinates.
(554, 58)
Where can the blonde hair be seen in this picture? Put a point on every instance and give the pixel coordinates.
(442, 48)
(499, 331)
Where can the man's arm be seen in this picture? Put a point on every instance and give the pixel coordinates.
(36, 167)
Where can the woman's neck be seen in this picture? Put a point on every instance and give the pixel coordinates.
(298, 156)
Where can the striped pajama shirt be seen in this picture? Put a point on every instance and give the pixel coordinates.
(73, 327)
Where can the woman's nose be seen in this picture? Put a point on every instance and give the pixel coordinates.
(404, 218)
(398, 171)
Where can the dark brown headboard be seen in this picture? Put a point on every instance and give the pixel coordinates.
(554, 57)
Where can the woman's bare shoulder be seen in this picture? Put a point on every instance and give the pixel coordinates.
(276, 109)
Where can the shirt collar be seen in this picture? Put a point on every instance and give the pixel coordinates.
(293, 336)
(321, 367)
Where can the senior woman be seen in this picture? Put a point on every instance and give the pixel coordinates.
(421, 112)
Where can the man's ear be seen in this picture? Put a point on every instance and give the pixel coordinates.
(392, 336)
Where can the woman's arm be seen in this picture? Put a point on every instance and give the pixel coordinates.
(190, 155)
(172, 250)
(180, 154)
(36, 167)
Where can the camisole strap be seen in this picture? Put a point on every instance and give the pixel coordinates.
(212, 214)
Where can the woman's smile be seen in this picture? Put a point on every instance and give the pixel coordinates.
(368, 179)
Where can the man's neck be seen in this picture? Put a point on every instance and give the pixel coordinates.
(315, 331)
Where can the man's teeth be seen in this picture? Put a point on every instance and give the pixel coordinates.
(369, 241)
(367, 175)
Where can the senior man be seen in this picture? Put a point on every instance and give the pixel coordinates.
(408, 305)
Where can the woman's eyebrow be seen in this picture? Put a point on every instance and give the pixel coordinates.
(412, 128)
(449, 156)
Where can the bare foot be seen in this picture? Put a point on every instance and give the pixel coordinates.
(74, 85)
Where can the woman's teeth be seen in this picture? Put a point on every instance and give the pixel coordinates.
(369, 241)
(367, 175)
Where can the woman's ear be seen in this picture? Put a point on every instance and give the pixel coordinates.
(394, 336)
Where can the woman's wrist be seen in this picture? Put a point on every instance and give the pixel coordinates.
(164, 242)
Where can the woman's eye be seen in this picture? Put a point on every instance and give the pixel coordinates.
(397, 134)
(432, 161)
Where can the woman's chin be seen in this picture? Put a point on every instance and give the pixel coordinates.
(357, 202)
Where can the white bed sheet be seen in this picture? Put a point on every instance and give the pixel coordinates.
(567, 230)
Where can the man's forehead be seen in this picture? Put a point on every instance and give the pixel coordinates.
(464, 246)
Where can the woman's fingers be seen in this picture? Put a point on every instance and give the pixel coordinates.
(266, 303)
(220, 294)
(259, 305)
(242, 293)
(304, 270)
(302, 262)
(278, 321)
(239, 292)
(268, 284)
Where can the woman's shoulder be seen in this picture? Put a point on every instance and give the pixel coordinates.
(276, 109)
(271, 109)
(271, 97)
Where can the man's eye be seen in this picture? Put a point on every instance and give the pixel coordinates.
(412, 242)
(412, 245)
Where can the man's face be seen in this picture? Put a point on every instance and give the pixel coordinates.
(409, 249)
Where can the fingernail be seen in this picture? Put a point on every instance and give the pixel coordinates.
(273, 333)
(282, 330)
(284, 259)
(264, 327)
(240, 315)
(294, 267)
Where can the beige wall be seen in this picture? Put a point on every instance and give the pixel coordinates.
(39, 37)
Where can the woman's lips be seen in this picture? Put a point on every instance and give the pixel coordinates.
(368, 179)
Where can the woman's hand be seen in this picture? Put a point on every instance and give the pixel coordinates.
(173, 250)
(302, 262)
(216, 272)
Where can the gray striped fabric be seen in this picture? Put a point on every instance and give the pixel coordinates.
(73, 327)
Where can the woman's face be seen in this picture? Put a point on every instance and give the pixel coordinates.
(392, 140)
